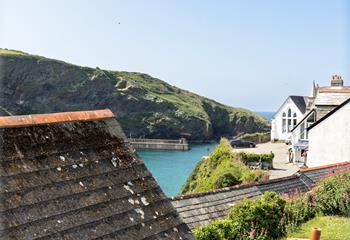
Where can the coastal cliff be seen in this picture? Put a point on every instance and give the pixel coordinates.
(145, 106)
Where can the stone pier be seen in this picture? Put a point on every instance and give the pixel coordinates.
(160, 144)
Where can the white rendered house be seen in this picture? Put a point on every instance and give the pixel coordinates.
(329, 137)
(321, 101)
(287, 117)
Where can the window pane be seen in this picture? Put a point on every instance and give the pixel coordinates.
(289, 125)
(283, 125)
(302, 130)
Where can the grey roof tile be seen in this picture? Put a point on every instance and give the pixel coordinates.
(300, 102)
(213, 205)
(79, 180)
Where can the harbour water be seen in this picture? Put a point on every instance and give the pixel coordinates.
(172, 168)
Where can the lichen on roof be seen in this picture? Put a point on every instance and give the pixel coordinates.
(79, 179)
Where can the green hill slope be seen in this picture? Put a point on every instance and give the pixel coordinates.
(145, 106)
(222, 168)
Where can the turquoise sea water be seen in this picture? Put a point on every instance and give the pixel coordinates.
(171, 168)
(267, 115)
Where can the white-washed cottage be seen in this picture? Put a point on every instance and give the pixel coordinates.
(321, 101)
(329, 137)
(287, 116)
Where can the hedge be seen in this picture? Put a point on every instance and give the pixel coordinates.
(332, 195)
(266, 159)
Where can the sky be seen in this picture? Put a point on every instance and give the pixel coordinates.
(243, 53)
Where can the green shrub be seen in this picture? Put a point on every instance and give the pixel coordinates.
(217, 230)
(254, 176)
(299, 210)
(222, 151)
(269, 216)
(222, 168)
(226, 180)
(266, 159)
(207, 232)
(333, 195)
(261, 218)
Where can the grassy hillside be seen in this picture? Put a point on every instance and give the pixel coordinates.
(145, 106)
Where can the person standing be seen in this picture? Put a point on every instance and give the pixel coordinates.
(304, 155)
(290, 155)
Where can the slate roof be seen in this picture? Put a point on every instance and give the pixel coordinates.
(4, 111)
(201, 208)
(73, 176)
(300, 102)
(316, 174)
(332, 96)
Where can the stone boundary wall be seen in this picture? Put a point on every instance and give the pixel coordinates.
(257, 137)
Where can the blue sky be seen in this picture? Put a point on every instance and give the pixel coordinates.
(242, 53)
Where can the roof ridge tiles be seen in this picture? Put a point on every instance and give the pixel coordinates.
(50, 118)
(243, 186)
(324, 167)
(236, 187)
(346, 90)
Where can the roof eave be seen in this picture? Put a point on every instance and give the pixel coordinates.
(51, 118)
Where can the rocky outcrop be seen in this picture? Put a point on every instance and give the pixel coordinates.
(145, 106)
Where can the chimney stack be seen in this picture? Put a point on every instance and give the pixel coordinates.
(337, 81)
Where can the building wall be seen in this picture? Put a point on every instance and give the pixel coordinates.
(329, 141)
(276, 122)
(321, 111)
(296, 138)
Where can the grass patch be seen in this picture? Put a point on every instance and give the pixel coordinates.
(332, 227)
(186, 102)
(4, 51)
